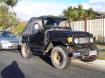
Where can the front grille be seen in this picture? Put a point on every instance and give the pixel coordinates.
(84, 40)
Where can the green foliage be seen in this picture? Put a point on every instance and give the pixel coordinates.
(18, 28)
(11, 3)
(101, 53)
(7, 16)
(78, 13)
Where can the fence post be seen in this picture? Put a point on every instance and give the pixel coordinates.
(103, 30)
(85, 24)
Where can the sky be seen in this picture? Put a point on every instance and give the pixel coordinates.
(25, 9)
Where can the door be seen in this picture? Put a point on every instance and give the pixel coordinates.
(36, 38)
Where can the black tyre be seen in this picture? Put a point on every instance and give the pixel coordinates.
(25, 51)
(59, 57)
(89, 59)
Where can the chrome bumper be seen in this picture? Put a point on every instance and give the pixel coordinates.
(85, 53)
(9, 46)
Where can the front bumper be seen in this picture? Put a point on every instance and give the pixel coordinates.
(85, 53)
(9, 46)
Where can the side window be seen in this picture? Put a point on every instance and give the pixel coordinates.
(64, 24)
(45, 21)
(36, 26)
(48, 23)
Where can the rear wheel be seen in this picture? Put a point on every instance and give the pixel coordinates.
(59, 57)
(25, 51)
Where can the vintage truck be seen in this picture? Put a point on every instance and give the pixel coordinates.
(53, 35)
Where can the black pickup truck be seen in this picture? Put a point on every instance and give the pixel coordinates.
(53, 35)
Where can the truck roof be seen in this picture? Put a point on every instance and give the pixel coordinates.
(56, 18)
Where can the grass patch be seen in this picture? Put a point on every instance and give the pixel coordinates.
(101, 54)
(100, 43)
(100, 46)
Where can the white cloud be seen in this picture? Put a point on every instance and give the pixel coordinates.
(26, 9)
(29, 9)
(97, 5)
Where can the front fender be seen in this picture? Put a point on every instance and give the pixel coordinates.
(59, 41)
(55, 42)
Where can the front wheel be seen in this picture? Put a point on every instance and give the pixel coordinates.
(25, 50)
(59, 57)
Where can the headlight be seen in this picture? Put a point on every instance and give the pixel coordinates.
(69, 39)
(76, 40)
(4, 41)
(91, 40)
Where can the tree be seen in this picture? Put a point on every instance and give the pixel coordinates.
(78, 13)
(7, 17)
(18, 28)
(11, 3)
(91, 13)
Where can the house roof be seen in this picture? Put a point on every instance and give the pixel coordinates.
(100, 14)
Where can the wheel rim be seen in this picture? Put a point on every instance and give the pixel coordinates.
(57, 58)
(24, 50)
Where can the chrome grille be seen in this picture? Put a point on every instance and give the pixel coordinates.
(84, 40)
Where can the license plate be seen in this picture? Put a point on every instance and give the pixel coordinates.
(92, 53)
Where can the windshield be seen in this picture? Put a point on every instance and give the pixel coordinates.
(57, 22)
(7, 34)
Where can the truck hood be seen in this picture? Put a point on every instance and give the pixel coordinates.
(78, 33)
(69, 33)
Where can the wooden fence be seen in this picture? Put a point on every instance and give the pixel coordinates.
(95, 26)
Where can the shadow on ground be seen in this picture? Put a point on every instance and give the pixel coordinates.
(45, 58)
(12, 71)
